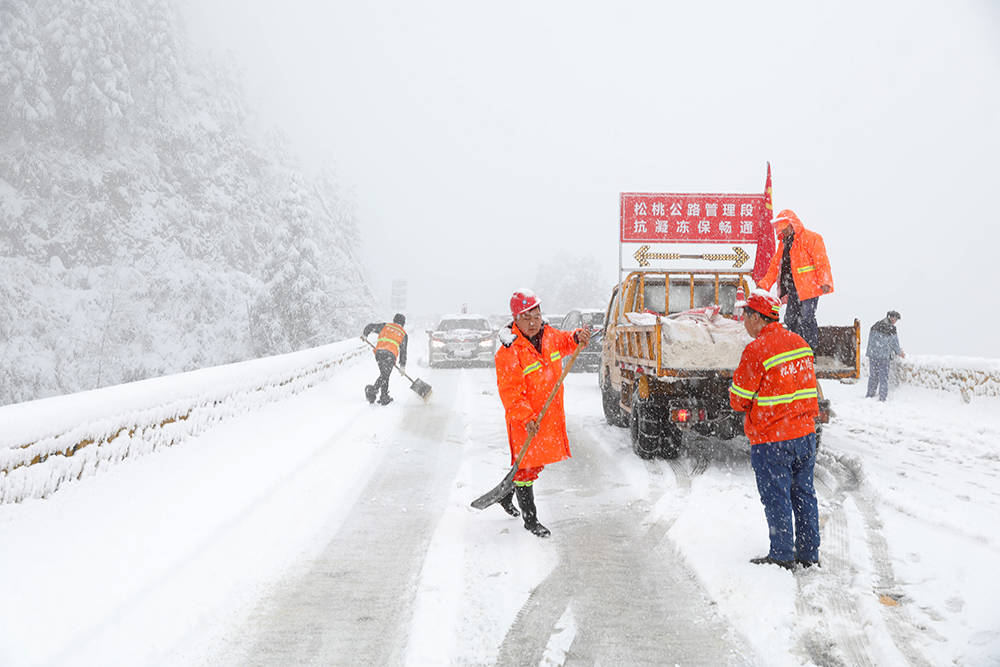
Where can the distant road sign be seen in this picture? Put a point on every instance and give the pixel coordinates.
(398, 297)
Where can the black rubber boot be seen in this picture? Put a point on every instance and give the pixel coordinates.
(526, 499)
(385, 399)
(767, 560)
(370, 393)
(507, 503)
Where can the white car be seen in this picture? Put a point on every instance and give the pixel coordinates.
(462, 340)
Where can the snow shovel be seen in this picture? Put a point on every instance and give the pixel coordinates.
(422, 389)
(506, 485)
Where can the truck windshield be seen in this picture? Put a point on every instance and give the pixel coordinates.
(680, 296)
(704, 295)
(655, 301)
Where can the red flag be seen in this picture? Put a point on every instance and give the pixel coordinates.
(767, 195)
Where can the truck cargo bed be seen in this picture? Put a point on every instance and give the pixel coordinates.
(702, 345)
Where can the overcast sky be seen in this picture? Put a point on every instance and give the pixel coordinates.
(481, 138)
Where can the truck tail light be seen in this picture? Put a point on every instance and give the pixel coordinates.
(687, 416)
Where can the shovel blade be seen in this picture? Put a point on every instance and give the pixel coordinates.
(422, 389)
(497, 492)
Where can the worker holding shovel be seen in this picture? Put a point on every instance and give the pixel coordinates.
(529, 367)
(391, 346)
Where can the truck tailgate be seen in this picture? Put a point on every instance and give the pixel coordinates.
(838, 354)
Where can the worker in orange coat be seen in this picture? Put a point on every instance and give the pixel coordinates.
(528, 366)
(802, 271)
(775, 385)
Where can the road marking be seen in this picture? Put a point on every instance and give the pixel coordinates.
(562, 638)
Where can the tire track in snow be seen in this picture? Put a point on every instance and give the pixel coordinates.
(633, 599)
(838, 639)
(841, 637)
(352, 603)
(874, 436)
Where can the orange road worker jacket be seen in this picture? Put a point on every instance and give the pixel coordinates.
(775, 385)
(525, 378)
(390, 338)
(810, 265)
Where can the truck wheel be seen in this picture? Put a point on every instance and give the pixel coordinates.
(611, 400)
(644, 431)
(670, 443)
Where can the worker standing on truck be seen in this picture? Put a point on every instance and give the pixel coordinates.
(391, 346)
(528, 366)
(775, 385)
(802, 271)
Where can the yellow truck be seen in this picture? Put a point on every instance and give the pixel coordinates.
(673, 333)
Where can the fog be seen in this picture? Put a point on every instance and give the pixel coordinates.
(481, 139)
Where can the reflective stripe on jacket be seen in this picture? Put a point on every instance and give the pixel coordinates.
(775, 385)
(525, 377)
(390, 338)
(810, 265)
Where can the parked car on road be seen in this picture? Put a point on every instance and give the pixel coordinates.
(587, 318)
(461, 340)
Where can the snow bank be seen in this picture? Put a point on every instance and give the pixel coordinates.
(969, 376)
(50, 441)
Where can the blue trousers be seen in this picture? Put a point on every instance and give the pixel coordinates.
(784, 472)
(800, 318)
(878, 378)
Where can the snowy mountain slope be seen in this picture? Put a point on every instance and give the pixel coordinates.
(321, 529)
(145, 226)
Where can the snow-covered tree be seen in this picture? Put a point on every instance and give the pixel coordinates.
(87, 65)
(295, 293)
(339, 230)
(144, 227)
(25, 103)
(158, 54)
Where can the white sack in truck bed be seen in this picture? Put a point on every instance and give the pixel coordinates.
(704, 339)
(700, 338)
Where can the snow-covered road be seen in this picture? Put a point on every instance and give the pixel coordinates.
(322, 530)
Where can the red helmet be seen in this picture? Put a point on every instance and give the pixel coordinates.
(522, 301)
(763, 303)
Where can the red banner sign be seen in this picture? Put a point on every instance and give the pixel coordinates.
(648, 218)
(693, 218)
